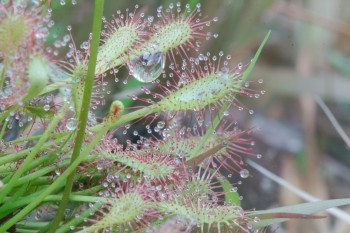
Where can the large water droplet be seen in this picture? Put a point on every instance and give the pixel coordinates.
(147, 67)
(71, 124)
(244, 173)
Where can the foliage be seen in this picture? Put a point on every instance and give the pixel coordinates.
(57, 158)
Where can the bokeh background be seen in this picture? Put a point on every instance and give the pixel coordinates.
(306, 59)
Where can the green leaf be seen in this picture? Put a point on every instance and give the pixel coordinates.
(230, 197)
(306, 208)
(38, 75)
(39, 111)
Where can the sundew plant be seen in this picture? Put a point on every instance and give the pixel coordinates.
(63, 168)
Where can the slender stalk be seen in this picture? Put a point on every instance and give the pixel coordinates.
(8, 111)
(333, 120)
(3, 129)
(13, 205)
(2, 75)
(34, 164)
(83, 118)
(209, 132)
(21, 154)
(76, 221)
(53, 198)
(20, 230)
(27, 224)
(36, 137)
(128, 117)
(32, 153)
(55, 185)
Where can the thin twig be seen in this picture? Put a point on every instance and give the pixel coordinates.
(333, 120)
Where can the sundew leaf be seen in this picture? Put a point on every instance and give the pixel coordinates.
(304, 210)
(218, 118)
(255, 58)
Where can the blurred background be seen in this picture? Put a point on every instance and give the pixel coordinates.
(305, 63)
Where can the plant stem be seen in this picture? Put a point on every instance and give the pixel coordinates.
(53, 198)
(209, 132)
(3, 129)
(12, 205)
(2, 75)
(20, 154)
(75, 221)
(36, 137)
(55, 185)
(32, 165)
(128, 117)
(32, 153)
(83, 117)
(8, 111)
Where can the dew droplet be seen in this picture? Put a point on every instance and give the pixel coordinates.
(244, 173)
(148, 66)
(46, 107)
(71, 124)
(161, 124)
(85, 45)
(256, 219)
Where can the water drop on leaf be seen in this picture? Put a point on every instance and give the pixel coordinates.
(244, 173)
(147, 67)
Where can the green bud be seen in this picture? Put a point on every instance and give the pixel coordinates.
(38, 75)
